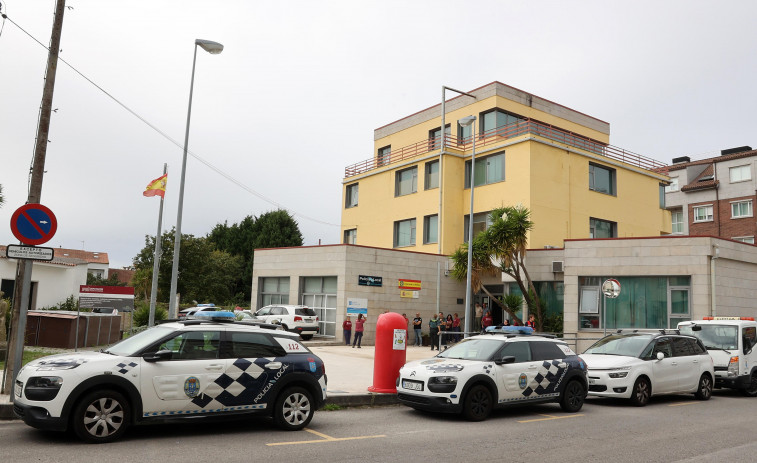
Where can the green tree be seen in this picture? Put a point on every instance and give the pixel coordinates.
(273, 229)
(112, 280)
(501, 247)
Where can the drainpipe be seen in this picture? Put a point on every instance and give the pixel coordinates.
(715, 255)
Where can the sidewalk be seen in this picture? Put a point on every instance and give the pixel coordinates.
(349, 372)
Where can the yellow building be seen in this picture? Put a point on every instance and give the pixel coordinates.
(414, 192)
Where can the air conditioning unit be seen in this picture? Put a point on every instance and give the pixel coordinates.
(557, 266)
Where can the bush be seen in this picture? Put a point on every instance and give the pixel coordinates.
(142, 313)
(70, 304)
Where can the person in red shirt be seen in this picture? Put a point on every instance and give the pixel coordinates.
(347, 327)
(531, 322)
(456, 327)
(487, 320)
(358, 331)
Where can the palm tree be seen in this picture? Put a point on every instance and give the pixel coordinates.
(502, 247)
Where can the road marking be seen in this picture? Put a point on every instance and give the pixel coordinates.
(682, 403)
(325, 438)
(550, 417)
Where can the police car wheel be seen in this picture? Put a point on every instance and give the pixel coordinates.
(641, 392)
(704, 391)
(294, 409)
(101, 416)
(478, 403)
(751, 390)
(573, 396)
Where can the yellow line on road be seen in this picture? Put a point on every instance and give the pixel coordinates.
(550, 417)
(325, 439)
(682, 403)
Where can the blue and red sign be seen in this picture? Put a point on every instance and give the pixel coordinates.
(33, 224)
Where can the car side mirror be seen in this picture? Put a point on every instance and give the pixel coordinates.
(159, 355)
(505, 359)
(660, 356)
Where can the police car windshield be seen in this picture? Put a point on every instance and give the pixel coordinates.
(133, 344)
(718, 337)
(472, 349)
(620, 344)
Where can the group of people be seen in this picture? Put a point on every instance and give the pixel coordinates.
(437, 325)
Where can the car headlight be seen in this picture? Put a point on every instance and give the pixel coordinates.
(53, 382)
(442, 380)
(57, 365)
(619, 372)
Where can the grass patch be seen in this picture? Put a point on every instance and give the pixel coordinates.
(331, 407)
(28, 356)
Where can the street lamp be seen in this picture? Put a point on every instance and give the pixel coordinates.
(465, 122)
(213, 48)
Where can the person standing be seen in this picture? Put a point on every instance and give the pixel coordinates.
(456, 327)
(487, 320)
(479, 314)
(433, 330)
(347, 327)
(531, 322)
(358, 330)
(417, 327)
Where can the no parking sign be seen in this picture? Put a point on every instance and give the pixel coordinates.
(33, 224)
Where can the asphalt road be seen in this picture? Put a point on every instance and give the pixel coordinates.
(669, 429)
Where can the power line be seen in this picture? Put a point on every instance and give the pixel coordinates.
(167, 137)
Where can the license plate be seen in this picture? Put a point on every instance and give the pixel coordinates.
(17, 389)
(412, 385)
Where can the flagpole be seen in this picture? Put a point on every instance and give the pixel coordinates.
(156, 259)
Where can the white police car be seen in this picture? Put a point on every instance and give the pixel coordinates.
(493, 370)
(171, 371)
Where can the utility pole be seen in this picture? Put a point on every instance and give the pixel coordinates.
(24, 269)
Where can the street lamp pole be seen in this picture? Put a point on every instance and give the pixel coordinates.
(465, 122)
(213, 48)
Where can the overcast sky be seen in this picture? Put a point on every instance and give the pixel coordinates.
(301, 85)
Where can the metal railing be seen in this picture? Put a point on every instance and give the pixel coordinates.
(497, 135)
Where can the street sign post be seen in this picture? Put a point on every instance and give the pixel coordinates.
(33, 224)
(14, 251)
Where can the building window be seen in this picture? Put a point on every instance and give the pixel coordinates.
(275, 290)
(431, 179)
(602, 228)
(602, 179)
(645, 302)
(673, 185)
(740, 174)
(404, 233)
(741, 209)
(495, 119)
(319, 294)
(703, 213)
(384, 155)
(490, 169)
(744, 239)
(463, 133)
(481, 222)
(350, 196)
(431, 229)
(406, 181)
(662, 196)
(350, 236)
(434, 137)
(677, 221)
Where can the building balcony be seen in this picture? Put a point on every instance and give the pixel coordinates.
(496, 136)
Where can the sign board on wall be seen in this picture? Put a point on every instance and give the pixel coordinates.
(409, 294)
(411, 285)
(14, 251)
(367, 280)
(120, 298)
(357, 305)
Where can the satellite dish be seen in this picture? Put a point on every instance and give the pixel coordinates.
(611, 288)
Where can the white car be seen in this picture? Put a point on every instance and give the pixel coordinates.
(635, 365)
(188, 312)
(298, 319)
(492, 370)
(730, 341)
(173, 371)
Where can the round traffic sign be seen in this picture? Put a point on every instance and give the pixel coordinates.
(33, 224)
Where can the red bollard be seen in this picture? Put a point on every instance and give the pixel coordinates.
(391, 353)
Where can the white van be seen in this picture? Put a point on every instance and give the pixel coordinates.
(730, 342)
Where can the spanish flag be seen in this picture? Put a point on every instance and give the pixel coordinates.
(157, 187)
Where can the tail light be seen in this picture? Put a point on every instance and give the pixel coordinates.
(297, 318)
